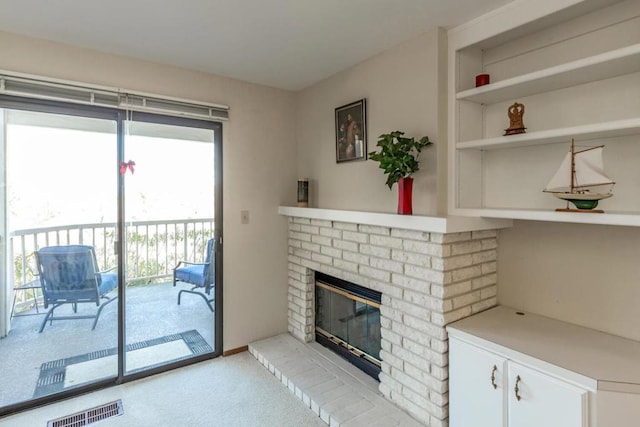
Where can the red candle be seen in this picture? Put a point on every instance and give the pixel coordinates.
(482, 79)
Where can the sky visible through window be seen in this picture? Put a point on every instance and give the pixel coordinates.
(58, 176)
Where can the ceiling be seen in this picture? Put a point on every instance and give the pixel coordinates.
(289, 44)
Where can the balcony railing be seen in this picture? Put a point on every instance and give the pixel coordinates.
(153, 248)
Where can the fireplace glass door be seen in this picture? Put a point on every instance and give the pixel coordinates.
(349, 324)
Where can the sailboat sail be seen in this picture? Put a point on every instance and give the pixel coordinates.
(589, 171)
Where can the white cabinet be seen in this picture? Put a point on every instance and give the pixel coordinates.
(486, 389)
(575, 65)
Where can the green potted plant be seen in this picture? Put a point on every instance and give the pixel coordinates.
(398, 158)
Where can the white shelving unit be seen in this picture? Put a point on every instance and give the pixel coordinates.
(575, 65)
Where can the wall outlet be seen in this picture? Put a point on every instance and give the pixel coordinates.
(244, 217)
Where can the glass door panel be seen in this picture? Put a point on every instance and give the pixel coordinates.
(169, 218)
(60, 269)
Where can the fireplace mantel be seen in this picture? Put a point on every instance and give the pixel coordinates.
(432, 224)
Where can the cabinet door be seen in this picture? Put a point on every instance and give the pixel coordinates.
(542, 400)
(477, 380)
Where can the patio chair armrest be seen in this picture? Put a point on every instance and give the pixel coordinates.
(115, 267)
(191, 263)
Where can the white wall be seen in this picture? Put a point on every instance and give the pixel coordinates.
(583, 274)
(401, 86)
(259, 168)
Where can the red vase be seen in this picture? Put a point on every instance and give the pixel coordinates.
(405, 188)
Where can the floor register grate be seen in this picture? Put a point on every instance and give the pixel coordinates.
(89, 416)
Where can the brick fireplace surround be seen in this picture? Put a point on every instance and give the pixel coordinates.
(431, 271)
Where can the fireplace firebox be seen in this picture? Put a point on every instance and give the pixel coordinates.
(348, 321)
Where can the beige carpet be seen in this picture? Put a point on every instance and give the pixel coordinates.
(233, 391)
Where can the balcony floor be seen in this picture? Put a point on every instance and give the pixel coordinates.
(151, 312)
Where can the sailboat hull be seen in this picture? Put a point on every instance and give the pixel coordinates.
(583, 201)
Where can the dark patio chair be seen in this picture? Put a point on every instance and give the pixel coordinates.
(69, 275)
(199, 274)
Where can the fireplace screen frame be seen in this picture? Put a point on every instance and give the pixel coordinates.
(359, 295)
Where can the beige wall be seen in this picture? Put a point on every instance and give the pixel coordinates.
(259, 168)
(401, 88)
(584, 274)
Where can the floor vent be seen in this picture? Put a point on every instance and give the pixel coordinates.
(89, 416)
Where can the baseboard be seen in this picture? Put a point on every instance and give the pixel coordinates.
(235, 351)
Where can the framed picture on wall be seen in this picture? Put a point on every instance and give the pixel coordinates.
(351, 132)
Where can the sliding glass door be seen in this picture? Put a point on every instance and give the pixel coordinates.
(169, 172)
(100, 209)
(60, 275)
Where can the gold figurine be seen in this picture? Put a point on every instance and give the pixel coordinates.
(515, 112)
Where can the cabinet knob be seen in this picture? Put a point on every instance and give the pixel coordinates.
(517, 389)
(493, 377)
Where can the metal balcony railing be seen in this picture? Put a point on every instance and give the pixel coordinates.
(153, 248)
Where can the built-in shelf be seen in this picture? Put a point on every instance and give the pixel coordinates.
(607, 218)
(553, 136)
(433, 224)
(610, 64)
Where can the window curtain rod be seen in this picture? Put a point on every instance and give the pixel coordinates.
(30, 86)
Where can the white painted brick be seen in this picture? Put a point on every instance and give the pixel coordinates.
(322, 259)
(299, 220)
(293, 258)
(433, 383)
(424, 273)
(310, 229)
(345, 226)
(333, 253)
(305, 254)
(344, 245)
(345, 265)
(425, 248)
(422, 402)
(312, 247)
(393, 361)
(294, 227)
(423, 327)
(408, 381)
(408, 357)
(387, 242)
(321, 222)
(321, 240)
(300, 236)
(294, 275)
(331, 232)
(374, 229)
(376, 251)
(295, 243)
(419, 413)
(418, 285)
(430, 303)
(466, 247)
(355, 237)
(405, 331)
(386, 289)
(489, 292)
(483, 305)
(450, 237)
(489, 244)
(411, 309)
(311, 264)
(374, 273)
(391, 336)
(484, 281)
(439, 373)
(435, 422)
(466, 273)
(485, 256)
(410, 234)
(355, 257)
(467, 299)
(385, 264)
(420, 260)
(456, 289)
(459, 261)
(440, 346)
(489, 267)
(433, 357)
(298, 268)
(451, 316)
(332, 271)
(391, 313)
(483, 234)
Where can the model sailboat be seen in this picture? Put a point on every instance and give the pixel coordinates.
(581, 180)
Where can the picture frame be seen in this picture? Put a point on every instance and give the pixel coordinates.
(351, 132)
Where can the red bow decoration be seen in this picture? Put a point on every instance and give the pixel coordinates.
(123, 166)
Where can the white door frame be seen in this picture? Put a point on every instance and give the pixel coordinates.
(5, 288)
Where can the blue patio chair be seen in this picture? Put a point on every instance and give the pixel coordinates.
(69, 275)
(199, 274)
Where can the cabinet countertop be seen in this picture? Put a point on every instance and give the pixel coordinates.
(612, 361)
